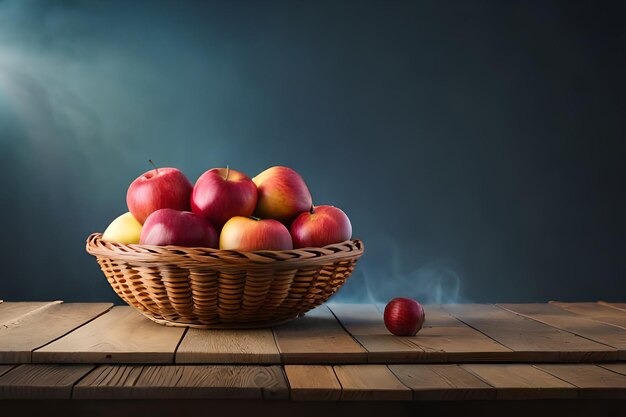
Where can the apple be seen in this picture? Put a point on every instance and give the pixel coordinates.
(283, 194)
(251, 233)
(181, 228)
(124, 229)
(320, 226)
(222, 193)
(157, 189)
(404, 316)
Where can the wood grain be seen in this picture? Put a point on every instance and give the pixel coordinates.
(573, 323)
(521, 381)
(313, 383)
(594, 381)
(122, 335)
(446, 339)
(317, 338)
(5, 368)
(11, 313)
(365, 323)
(601, 312)
(41, 381)
(184, 381)
(38, 328)
(371, 383)
(531, 340)
(442, 383)
(228, 346)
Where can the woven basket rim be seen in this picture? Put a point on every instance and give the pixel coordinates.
(200, 256)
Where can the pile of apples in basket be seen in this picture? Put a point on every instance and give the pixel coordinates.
(226, 209)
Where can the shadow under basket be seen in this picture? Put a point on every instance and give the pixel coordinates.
(223, 289)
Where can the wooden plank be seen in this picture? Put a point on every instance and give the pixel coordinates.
(371, 383)
(11, 313)
(596, 311)
(317, 338)
(365, 323)
(620, 368)
(183, 381)
(122, 335)
(618, 306)
(521, 381)
(5, 368)
(446, 339)
(529, 339)
(442, 382)
(228, 346)
(442, 339)
(37, 329)
(460, 344)
(313, 383)
(573, 323)
(593, 381)
(41, 381)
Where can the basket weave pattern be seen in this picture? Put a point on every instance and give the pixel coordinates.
(209, 288)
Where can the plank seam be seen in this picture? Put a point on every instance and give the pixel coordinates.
(93, 368)
(284, 373)
(607, 304)
(349, 334)
(180, 341)
(599, 320)
(338, 381)
(557, 328)
(471, 372)
(601, 365)
(559, 378)
(280, 354)
(11, 367)
(479, 331)
(68, 332)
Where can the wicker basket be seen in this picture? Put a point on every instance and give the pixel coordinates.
(209, 288)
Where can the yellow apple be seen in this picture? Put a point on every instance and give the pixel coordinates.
(125, 229)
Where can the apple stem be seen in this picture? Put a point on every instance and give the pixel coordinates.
(155, 167)
(255, 218)
(311, 210)
(227, 172)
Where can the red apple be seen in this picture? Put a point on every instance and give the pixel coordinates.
(283, 194)
(404, 316)
(222, 193)
(320, 226)
(157, 189)
(181, 228)
(251, 233)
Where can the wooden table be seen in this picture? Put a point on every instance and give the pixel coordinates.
(89, 356)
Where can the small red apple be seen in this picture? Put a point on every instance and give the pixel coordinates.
(251, 233)
(404, 316)
(283, 194)
(157, 189)
(181, 228)
(320, 226)
(222, 193)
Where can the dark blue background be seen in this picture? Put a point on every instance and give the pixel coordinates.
(477, 146)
